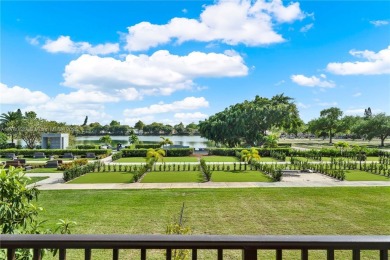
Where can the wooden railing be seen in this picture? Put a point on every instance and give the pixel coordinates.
(250, 245)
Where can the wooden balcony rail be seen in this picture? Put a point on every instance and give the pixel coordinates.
(248, 244)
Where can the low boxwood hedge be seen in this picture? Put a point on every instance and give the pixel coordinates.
(147, 146)
(48, 152)
(169, 152)
(265, 152)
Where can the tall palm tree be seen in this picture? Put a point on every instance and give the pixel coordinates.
(10, 121)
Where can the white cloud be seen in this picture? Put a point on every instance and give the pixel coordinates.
(66, 45)
(19, 95)
(161, 73)
(280, 83)
(379, 22)
(312, 81)
(231, 22)
(358, 94)
(188, 103)
(190, 116)
(307, 27)
(376, 63)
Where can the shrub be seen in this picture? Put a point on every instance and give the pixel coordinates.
(29, 153)
(77, 170)
(206, 170)
(147, 146)
(87, 146)
(264, 152)
(170, 152)
(117, 156)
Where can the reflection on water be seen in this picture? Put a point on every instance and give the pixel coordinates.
(191, 141)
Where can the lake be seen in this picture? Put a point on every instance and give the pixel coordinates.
(192, 141)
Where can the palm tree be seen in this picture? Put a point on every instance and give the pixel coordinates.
(156, 154)
(247, 156)
(271, 141)
(165, 141)
(106, 140)
(11, 122)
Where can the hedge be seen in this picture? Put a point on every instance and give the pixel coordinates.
(77, 171)
(48, 152)
(87, 146)
(147, 146)
(332, 152)
(265, 152)
(169, 152)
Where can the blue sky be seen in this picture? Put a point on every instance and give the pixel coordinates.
(182, 61)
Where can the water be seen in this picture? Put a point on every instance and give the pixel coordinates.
(191, 141)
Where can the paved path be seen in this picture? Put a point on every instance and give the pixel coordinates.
(55, 182)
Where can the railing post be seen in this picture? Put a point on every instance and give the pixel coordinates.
(304, 254)
(11, 254)
(143, 254)
(62, 255)
(169, 254)
(330, 254)
(356, 254)
(249, 254)
(115, 254)
(279, 254)
(383, 255)
(220, 254)
(87, 254)
(37, 254)
(194, 254)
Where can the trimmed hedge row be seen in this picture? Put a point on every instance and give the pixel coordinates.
(77, 171)
(147, 146)
(329, 152)
(48, 152)
(87, 146)
(266, 152)
(169, 152)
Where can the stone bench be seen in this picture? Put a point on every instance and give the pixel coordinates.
(39, 155)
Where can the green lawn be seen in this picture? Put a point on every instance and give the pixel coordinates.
(104, 177)
(253, 211)
(36, 179)
(165, 159)
(356, 175)
(43, 170)
(167, 177)
(216, 158)
(268, 159)
(239, 176)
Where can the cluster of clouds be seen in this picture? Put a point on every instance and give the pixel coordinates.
(104, 74)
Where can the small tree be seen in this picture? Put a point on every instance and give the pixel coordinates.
(361, 154)
(106, 140)
(157, 154)
(342, 145)
(247, 156)
(271, 141)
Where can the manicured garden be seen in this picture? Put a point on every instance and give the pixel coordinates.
(167, 177)
(239, 176)
(104, 177)
(252, 211)
(356, 175)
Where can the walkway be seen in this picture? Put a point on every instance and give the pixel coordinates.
(55, 182)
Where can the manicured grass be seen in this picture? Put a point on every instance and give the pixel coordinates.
(216, 158)
(356, 175)
(104, 177)
(239, 176)
(268, 159)
(43, 170)
(36, 179)
(167, 177)
(253, 211)
(165, 159)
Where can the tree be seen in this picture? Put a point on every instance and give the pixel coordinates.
(31, 130)
(271, 141)
(179, 128)
(106, 140)
(361, 152)
(342, 145)
(249, 121)
(18, 213)
(367, 112)
(329, 121)
(375, 126)
(247, 156)
(85, 121)
(3, 139)
(133, 138)
(115, 123)
(139, 126)
(165, 141)
(192, 128)
(10, 122)
(157, 154)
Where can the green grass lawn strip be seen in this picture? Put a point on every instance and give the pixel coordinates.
(356, 175)
(104, 177)
(216, 158)
(239, 176)
(174, 176)
(43, 170)
(253, 211)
